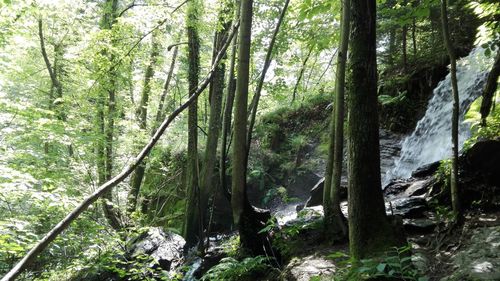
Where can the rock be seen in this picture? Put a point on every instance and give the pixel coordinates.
(480, 258)
(316, 192)
(303, 269)
(419, 187)
(426, 170)
(165, 248)
(300, 185)
(396, 186)
(316, 197)
(412, 207)
(484, 156)
(419, 226)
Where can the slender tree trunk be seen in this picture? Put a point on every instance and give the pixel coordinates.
(228, 108)
(214, 123)
(55, 83)
(369, 229)
(405, 53)
(490, 89)
(73, 215)
(335, 221)
(301, 74)
(107, 101)
(414, 37)
(192, 227)
(392, 45)
(142, 118)
(267, 62)
(455, 198)
(160, 113)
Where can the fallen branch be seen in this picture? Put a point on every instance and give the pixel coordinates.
(64, 223)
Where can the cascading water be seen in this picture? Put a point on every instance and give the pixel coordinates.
(431, 140)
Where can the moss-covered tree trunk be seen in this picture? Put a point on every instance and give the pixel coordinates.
(106, 111)
(192, 225)
(455, 198)
(208, 181)
(369, 228)
(228, 107)
(335, 222)
(142, 118)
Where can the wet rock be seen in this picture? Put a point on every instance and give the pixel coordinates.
(397, 186)
(419, 226)
(165, 248)
(480, 258)
(307, 215)
(426, 170)
(407, 207)
(299, 185)
(419, 187)
(303, 269)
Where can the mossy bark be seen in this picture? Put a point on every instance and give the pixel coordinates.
(490, 89)
(192, 227)
(369, 228)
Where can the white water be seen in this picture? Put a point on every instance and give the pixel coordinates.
(431, 140)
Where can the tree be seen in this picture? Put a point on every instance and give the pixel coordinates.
(335, 222)
(106, 111)
(228, 107)
(192, 227)
(214, 124)
(455, 198)
(369, 228)
(267, 62)
(248, 219)
(142, 118)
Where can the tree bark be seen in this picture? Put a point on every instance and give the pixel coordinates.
(208, 182)
(369, 228)
(455, 198)
(267, 62)
(64, 223)
(192, 227)
(106, 112)
(142, 118)
(301, 73)
(228, 108)
(405, 53)
(335, 222)
(414, 37)
(490, 89)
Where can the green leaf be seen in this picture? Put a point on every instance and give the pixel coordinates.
(381, 267)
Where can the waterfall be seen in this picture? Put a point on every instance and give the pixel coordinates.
(431, 140)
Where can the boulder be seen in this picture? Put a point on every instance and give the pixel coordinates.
(426, 170)
(407, 207)
(165, 248)
(316, 194)
(484, 157)
(303, 269)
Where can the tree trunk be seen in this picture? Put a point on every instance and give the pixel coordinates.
(192, 226)
(405, 53)
(228, 108)
(455, 198)
(214, 123)
(160, 113)
(414, 37)
(335, 222)
(490, 89)
(107, 101)
(142, 118)
(267, 62)
(301, 73)
(64, 223)
(369, 228)
(392, 45)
